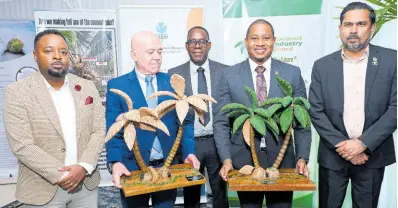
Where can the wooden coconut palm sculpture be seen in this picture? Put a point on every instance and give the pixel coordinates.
(253, 119)
(282, 113)
(181, 104)
(143, 118)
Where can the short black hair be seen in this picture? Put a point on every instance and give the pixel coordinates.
(260, 21)
(198, 27)
(47, 32)
(358, 6)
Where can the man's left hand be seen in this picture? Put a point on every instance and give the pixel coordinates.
(192, 159)
(301, 167)
(348, 149)
(76, 175)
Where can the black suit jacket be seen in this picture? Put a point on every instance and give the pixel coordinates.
(326, 96)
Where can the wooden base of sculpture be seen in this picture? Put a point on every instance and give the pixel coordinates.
(288, 181)
(182, 175)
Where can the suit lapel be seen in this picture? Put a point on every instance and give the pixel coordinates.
(273, 85)
(163, 85)
(79, 101)
(246, 74)
(186, 73)
(371, 70)
(338, 73)
(214, 71)
(135, 91)
(44, 98)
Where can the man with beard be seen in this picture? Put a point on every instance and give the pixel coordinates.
(201, 75)
(258, 72)
(353, 96)
(55, 126)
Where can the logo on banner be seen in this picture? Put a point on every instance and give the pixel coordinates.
(161, 29)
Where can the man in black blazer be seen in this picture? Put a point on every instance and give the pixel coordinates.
(233, 150)
(353, 96)
(201, 75)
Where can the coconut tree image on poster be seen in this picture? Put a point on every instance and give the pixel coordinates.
(92, 56)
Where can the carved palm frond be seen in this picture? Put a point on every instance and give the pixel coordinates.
(130, 135)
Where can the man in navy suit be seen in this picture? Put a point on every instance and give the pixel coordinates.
(145, 79)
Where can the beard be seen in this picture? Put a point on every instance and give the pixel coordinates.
(57, 73)
(355, 47)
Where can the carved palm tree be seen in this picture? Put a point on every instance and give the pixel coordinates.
(254, 119)
(181, 104)
(143, 118)
(289, 112)
(281, 114)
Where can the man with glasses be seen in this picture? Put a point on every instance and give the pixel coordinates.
(201, 75)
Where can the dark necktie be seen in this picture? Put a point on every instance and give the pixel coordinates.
(261, 85)
(202, 89)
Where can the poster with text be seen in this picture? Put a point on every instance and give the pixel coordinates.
(16, 63)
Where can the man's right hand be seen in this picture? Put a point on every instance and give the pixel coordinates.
(227, 166)
(118, 169)
(360, 159)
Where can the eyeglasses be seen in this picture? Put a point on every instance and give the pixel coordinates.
(193, 43)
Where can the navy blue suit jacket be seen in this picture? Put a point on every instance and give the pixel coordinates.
(116, 148)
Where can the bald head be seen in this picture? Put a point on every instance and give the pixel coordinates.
(146, 51)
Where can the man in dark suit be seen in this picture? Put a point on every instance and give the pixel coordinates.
(353, 96)
(201, 75)
(258, 71)
(139, 84)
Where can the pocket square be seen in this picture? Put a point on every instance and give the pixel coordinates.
(89, 100)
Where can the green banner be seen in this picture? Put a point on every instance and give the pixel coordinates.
(264, 8)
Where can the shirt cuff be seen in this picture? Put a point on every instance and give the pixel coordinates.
(89, 168)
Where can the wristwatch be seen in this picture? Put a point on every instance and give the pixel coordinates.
(367, 150)
(110, 166)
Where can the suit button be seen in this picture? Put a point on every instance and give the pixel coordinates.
(341, 114)
(63, 150)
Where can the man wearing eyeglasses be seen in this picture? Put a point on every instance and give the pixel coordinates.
(201, 75)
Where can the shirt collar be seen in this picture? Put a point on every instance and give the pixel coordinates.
(142, 76)
(194, 68)
(66, 82)
(253, 65)
(365, 55)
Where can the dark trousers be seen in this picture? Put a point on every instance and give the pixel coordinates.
(161, 199)
(365, 186)
(274, 199)
(207, 155)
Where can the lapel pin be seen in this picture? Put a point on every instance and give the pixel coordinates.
(374, 62)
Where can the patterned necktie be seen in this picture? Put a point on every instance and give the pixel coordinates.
(202, 89)
(261, 85)
(156, 152)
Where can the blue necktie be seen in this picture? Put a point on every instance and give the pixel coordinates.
(156, 152)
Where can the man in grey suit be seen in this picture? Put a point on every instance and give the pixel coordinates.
(353, 96)
(256, 72)
(196, 72)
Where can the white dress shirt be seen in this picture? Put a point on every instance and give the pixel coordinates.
(65, 107)
(199, 129)
(267, 76)
(267, 73)
(354, 93)
(141, 80)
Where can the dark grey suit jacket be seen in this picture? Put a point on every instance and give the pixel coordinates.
(326, 96)
(231, 90)
(184, 71)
